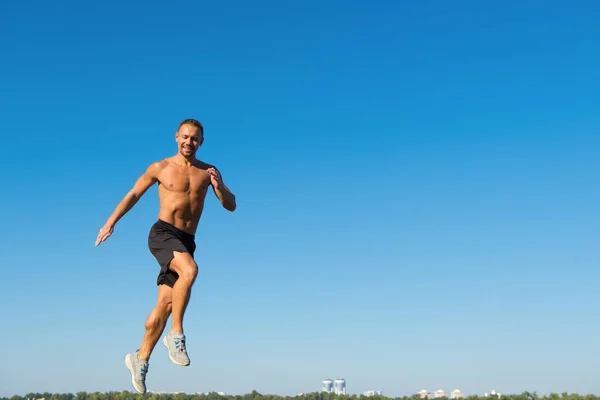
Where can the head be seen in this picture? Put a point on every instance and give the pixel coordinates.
(189, 137)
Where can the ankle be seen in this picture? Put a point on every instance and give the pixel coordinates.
(176, 331)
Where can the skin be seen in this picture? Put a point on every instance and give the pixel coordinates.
(183, 184)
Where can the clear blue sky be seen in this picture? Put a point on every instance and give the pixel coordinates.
(417, 188)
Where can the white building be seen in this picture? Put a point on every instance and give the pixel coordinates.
(327, 386)
(370, 393)
(492, 393)
(440, 394)
(424, 394)
(457, 394)
(339, 386)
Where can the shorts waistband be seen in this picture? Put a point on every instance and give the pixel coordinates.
(174, 229)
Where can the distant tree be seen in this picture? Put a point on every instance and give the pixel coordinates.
(81, 396)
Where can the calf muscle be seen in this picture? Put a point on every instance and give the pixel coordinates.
(156, 321)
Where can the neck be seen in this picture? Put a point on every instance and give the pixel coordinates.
(181, 159)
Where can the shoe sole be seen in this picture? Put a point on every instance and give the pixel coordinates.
(174, 361)
(132, 370)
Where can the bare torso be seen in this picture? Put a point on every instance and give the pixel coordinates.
(182, 190)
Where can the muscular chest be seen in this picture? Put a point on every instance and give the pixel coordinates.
(185, 180)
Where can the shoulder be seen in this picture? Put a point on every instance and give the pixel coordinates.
(157, 167)
(203, 165)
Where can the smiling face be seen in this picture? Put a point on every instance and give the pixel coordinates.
(189, 138)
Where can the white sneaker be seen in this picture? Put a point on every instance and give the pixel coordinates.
(175, 345)
(138, 369)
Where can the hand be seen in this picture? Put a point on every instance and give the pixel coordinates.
(104, 233)
(215, 177)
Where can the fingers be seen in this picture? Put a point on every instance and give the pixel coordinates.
(101, 239)
(102, 236)
(215, 176)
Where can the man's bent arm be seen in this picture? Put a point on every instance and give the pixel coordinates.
(143, 183)
(225, 196)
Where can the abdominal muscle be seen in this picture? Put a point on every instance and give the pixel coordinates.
(181, 209)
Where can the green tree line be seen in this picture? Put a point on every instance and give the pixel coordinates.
(126, 395)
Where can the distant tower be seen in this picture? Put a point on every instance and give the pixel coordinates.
(327, 386)
(339, 386)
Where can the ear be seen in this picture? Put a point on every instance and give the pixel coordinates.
(201, 141)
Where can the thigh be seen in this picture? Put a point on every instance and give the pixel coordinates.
(182, 262)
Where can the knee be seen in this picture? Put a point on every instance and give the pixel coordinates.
(189, 272)
(185, 266)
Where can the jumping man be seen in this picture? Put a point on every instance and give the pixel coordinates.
(183, 182)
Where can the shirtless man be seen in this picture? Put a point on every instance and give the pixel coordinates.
(183, 182)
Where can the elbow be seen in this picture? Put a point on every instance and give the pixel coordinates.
(228, 202)
(131, 198)
(134, 194)
(230, 205)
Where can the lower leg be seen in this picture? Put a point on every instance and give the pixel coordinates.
(155, 325)
(156, 321)
(187, 270)
(181, 296)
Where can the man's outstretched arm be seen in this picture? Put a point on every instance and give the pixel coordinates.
(148, 178)
(222, 192)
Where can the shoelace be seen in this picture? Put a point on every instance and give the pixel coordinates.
(180, 344)
(143, 370)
